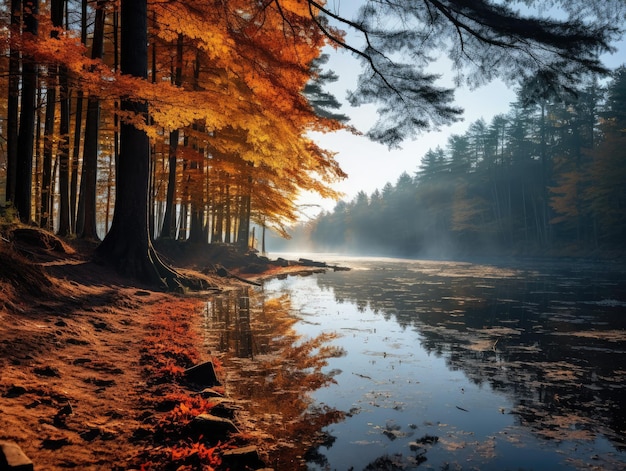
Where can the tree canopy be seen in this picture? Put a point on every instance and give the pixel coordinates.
(398, 41)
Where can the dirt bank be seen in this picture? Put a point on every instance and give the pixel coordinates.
(92, 364)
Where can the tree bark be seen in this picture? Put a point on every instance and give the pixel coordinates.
(25, 140)
(167, 230)
(86, 226)
(197, 193)
(57, 8)
(48, 147)
(245, 211)
(64, 154)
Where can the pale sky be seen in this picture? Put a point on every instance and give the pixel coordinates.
(370, 165)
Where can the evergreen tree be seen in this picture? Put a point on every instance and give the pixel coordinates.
(607, 193)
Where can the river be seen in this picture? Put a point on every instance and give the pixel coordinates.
(455, 365)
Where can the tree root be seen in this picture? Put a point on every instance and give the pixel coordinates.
(145, 265)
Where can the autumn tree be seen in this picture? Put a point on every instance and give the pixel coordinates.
(57, 8)
(167, 230)
(57, 11)
(255, 117)
(267, 123)
(76, 145)
(128, 242)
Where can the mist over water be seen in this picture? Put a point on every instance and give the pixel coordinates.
(453, 365)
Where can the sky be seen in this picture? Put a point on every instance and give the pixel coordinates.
(370, 165)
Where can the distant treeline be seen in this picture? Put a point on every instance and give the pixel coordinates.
(548, 177)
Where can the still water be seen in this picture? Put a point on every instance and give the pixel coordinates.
(450, 365)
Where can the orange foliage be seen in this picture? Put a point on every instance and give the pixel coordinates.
(230, 76)
(196, 451)
(169, 349)
(187, 408)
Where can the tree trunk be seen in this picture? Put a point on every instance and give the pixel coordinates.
(47, 185)
(153, 167)
(226, 215)
(75, 160)
(25, 140)
(48, 148)
(13, 103)
(86, 218)
(110, 184)
(86, 226)
(167, 230)
(197, 192)
(245, 211)
(127, 245)
(151, 191)
(183, 216)
(64, 154)
(196, 232)
(58, 9)
(243, 232)
(217, 236)
(77, 130)
(36, 195)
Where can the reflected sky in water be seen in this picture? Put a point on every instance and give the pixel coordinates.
(469, 366)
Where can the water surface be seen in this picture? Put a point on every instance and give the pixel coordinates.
(451, 365)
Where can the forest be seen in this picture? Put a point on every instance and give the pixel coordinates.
(546, 178)
(129, 126)
(193, 77)
(133, 121)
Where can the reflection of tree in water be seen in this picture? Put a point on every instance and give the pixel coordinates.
(276, 371)
(545, 339)
(228, 316)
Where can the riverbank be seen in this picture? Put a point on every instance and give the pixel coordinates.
(93, 365)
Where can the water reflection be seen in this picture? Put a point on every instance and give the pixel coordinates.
(276, 369)
(554, 341)
(228, 317)
(540, 350)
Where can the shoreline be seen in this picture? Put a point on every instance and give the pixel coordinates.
(92, 373)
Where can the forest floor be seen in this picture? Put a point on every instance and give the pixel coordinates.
(92, 365)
